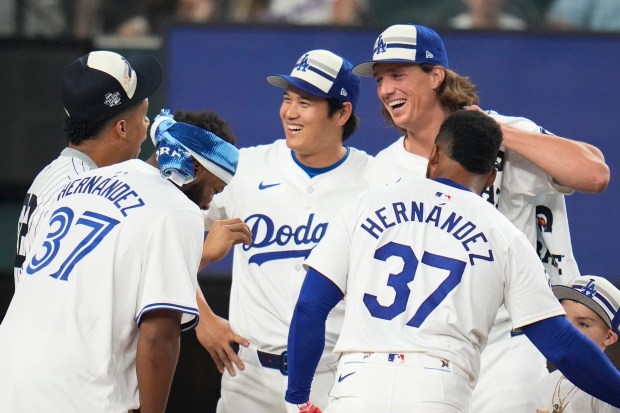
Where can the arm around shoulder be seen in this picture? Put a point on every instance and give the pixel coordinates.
(577, 165)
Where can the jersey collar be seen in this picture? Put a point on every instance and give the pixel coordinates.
(74, 153)
(451, 183)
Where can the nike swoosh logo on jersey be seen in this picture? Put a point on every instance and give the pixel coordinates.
(262, 186)
(341, 378)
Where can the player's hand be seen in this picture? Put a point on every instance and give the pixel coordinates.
(221, 238)
(216, 336)
(306, 407)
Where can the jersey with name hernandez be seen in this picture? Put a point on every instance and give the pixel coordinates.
(513, 192)
(121, 241)
(288, 213)
(424, 267)
(42, 194)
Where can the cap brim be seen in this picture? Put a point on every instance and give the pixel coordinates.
(563, 292)
(367, 68)
(285, 81)
(149, 74)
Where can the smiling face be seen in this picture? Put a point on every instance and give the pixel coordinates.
(203, 188)
(309, 130)
(407, 92)
(589, 323)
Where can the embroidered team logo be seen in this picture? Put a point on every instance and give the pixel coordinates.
(544, 217)
(112, 99)
(380, 46)
(303, 65)
(590, 289)
(396, 358)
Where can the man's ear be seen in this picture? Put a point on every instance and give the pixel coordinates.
(490, 179)
(345, 113)
(438, 74)
(433, 159)
(120, 127)
(611, 338)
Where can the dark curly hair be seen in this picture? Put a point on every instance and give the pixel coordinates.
(77, 131)
(472, 139)
(207, 120)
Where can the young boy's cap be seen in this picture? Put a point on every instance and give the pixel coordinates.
(596, 293)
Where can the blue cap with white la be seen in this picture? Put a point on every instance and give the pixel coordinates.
(324, 74)
(405, 43)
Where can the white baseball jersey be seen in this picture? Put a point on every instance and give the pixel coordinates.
(42, 194)
(518, 180)
(288, 213)
(121, 241)
(424, 267)
(517, 184)
(555, 390)
(518, 189)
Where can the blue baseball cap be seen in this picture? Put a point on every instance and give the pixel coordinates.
(596, 293)
(324, 74)
(405, 43)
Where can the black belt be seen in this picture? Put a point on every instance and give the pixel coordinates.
(271, 361)
(516, 333)
(274, 361)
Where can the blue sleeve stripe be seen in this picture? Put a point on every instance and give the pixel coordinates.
(192, 311)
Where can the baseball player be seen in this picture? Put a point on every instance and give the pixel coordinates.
(417, 90)
(424, 266)
(224, 233)
(292, 188)
(592, 304)
(94, 325)
(106, 99)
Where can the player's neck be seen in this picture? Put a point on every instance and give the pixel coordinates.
(322, 159)
(102, 154)
(420, 137)
(419, 143)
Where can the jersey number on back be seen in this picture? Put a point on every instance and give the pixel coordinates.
(399, 282)
(60, 224)
(30, 204)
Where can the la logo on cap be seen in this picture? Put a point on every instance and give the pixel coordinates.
(380, 46)
(302, 65)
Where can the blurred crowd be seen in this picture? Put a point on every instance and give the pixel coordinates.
(91, 18)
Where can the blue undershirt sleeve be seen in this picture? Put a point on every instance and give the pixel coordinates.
(306, 337)
(577, 357)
